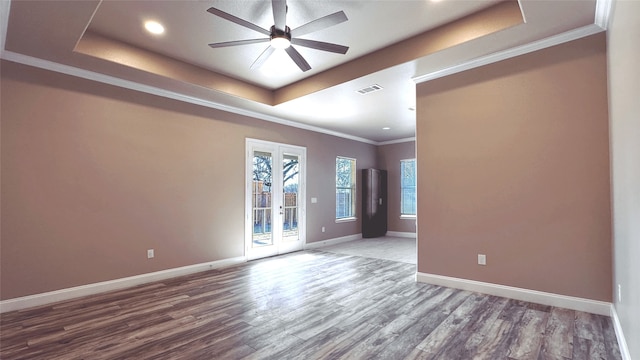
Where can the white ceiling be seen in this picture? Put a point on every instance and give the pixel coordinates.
(338, 109)
(372, 25)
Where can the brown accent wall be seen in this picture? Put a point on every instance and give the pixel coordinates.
(93, 175)
(624, 112)
(513, 162)
(389, 157)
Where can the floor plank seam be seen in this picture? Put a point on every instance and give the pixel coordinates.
(310, 304)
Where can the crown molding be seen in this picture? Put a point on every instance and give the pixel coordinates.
(513, 52)
(398, 141)
(127, 84)
(5, 8)
(602, 17)
(603, 13)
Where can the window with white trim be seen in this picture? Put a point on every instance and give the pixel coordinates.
(345, 187)
(408, 202)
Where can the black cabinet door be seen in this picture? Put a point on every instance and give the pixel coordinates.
(374, 203)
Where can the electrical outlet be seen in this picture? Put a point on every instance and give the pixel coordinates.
(482, 259)
(150, 254)
(323, 229)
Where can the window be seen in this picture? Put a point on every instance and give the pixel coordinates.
(408, 187)
(345, 188)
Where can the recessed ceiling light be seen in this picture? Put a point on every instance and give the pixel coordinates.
(154, 27)
(386, 128)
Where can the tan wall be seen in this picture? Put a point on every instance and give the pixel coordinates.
(513, 162)
(389, 157)
(93, 175)
(624, 112)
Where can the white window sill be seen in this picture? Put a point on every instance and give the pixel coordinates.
(349, 219)
(408, 217)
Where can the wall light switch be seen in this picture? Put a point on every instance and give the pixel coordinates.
(150, 254)
(314, 200)
(482, 259)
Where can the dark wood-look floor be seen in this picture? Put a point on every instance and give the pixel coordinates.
(306, 305)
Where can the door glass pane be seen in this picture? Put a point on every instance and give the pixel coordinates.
(261, 198)
(290, 170)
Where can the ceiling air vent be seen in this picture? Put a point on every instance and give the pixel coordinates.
(370, 89)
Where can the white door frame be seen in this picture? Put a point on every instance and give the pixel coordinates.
(278, 150)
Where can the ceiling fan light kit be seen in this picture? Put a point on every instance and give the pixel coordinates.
(282, 37)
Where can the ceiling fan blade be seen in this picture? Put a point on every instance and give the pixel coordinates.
(238, 42)
(298, 59)
(319, 45)
(263, 57)
(321, 23)
(238, 21)
(279, 13)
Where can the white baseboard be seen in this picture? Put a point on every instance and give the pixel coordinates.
(401, 234)
(622, 342)
(96, 288)
(334, 241)
(534, 296)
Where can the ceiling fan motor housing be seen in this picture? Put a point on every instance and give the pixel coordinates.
(277, 33)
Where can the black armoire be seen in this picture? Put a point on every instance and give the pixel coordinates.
(374, 203)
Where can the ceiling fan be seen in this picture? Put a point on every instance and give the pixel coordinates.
(282, 37)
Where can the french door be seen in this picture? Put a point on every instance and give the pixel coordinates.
(275, 192)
